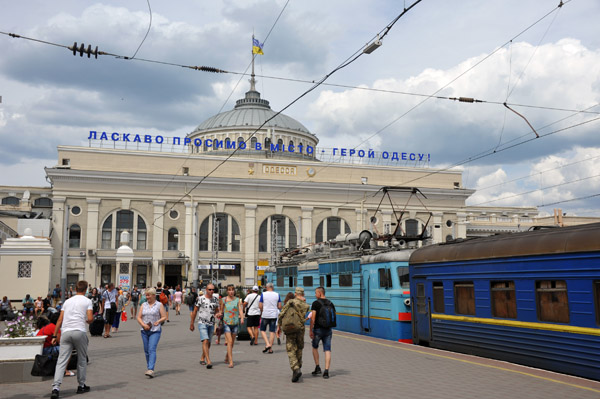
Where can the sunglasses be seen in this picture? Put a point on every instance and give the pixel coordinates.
(210, 289)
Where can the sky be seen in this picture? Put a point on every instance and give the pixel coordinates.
(541, 59)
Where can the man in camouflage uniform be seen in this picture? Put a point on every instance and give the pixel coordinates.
(295, 341)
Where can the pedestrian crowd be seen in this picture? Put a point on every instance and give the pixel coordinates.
(103, 308)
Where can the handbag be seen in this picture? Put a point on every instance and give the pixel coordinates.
(45, 365)
(124, 316)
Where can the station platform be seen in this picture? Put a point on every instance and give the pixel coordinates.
(362, 367)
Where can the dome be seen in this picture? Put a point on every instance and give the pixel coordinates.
(251, 111)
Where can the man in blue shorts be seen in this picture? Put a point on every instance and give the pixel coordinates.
(322, 320)
(207, 309)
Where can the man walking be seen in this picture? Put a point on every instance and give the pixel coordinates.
(252, 314)
(291, 321)
(269, 303)
(164, 298)
(323, 319)
(207, 309)
(109, 304)
(56, 294)
(75, 313)
(135, 300)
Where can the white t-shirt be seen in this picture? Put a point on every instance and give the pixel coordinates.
(269, 299)
(75, 313)
(253, 310)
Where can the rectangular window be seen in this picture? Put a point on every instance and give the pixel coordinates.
(552, 301)
(385, 278)
(291, 281)
(106, 237)
(438, 297)
(140, 279)
(24, 270)
(504, 300)
(141, 239)
(105, 274)
(345, 280)
(328, 278)
(279, 281)
(72, 280)
(421, 299)
(307, 281)
(403, 276)
(464, 297)
(597, 296)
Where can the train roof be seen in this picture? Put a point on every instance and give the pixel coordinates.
(582, 238)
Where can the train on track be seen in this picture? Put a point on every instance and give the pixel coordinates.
(531, 298)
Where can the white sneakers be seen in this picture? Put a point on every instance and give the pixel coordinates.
(149, 374)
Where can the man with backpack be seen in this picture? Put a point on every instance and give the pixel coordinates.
(163, 297)
(322, 320)
(291, 322)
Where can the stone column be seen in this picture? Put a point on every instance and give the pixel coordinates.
(58, 215)
(437, 235)
(249, 243)
(157, 241)
(307, 225)
(461, 225)
(91, 242)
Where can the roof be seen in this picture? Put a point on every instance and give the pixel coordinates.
(582, 238)
(251, 111)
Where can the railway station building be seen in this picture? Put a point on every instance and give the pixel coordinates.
(238, 191)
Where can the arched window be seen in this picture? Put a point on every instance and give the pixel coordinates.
(291, 142)
(173, 239)
(141, 233)
(267, 143)
(122, 220)
(107, 233)
(282, 229)
(227, 142)
(253, 142)
(229, 233)
(332, 226)
(10, 201)
(43, 202)
(240, 140)
(75, 236)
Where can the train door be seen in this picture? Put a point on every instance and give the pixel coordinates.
(365, 324)
(421, 314)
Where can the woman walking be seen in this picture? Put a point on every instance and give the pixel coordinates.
(177, 298)
(121, 304)
(231, 307)
(150, 316)
(96, 299)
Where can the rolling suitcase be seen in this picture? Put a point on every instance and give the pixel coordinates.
(97, 326)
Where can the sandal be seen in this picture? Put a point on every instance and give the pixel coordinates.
(270, 351)
(267, 348)
(230, 366)
(209, 366)
(202, 362)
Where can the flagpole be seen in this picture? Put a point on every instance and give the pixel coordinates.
(252, 80)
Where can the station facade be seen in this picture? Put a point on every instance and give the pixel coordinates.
(251, 200)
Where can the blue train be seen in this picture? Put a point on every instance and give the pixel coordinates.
(370, 292)
(531, 298)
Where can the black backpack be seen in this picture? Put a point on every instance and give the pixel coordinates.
(326, 318)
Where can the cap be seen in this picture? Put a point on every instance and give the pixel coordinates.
(300, 290)
(255, 288)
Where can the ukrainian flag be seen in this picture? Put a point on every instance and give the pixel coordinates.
(257, 47)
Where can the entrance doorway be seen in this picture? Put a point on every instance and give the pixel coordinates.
(172, 275)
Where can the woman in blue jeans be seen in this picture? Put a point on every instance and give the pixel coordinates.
(150, 316)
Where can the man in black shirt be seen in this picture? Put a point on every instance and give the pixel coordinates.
(322, 320)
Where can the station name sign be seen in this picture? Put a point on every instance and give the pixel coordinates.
(216, 144)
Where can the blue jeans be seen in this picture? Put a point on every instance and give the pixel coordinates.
(150, 340)
(322, 334)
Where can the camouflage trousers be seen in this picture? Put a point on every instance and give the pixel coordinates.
(294, 344)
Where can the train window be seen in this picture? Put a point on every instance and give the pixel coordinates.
(504, 300)
(597, 295)
(438, 297)
(280, 281)
(552, 301)
(385, 278)
(328, 278)
(345, 280)
(291, 281)
(321, 281)
(464, 297)
(403, 276)
(307, 281)
(421, 300)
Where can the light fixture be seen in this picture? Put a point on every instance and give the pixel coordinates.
(373, 46)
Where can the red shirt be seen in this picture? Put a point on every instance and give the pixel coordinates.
(48, 330)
